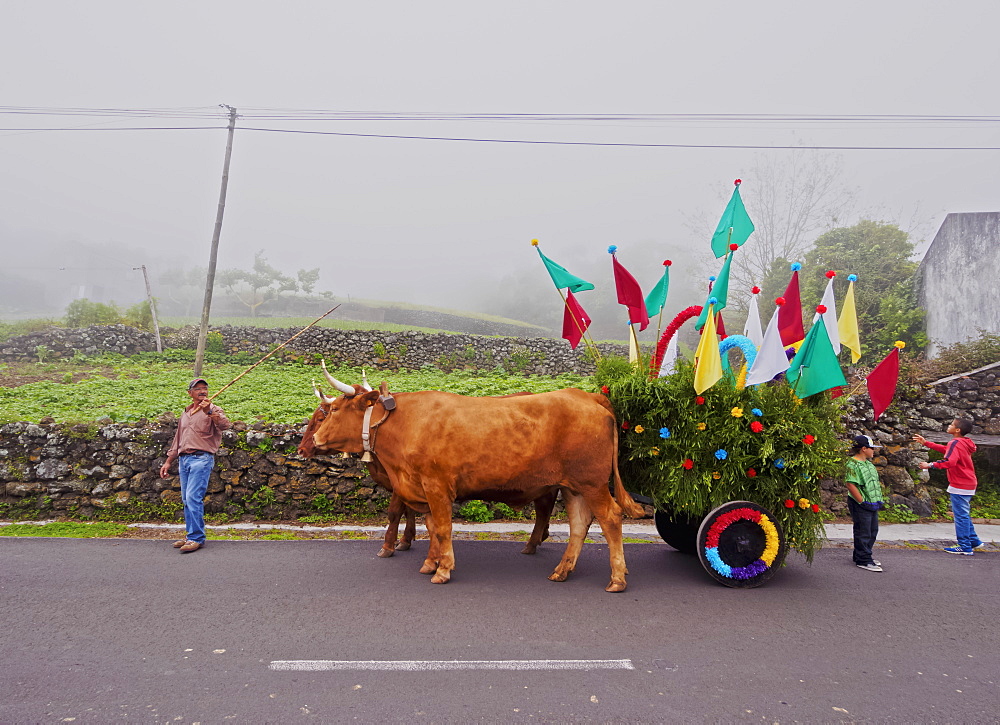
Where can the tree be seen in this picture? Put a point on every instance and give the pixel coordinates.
(83, 312)
(259, 285)
(879, 254)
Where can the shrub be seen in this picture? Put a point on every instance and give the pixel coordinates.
(475, 511)
(83, 312)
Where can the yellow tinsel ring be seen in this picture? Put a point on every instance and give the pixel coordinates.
(770, 540)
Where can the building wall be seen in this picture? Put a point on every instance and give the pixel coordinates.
(958, 279)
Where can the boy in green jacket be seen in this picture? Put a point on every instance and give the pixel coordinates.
(864, 501)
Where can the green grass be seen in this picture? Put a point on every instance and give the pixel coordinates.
(271, 393)
(65, 529)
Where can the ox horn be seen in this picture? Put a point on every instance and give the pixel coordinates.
(346, 389)
(364, 381)
(319, 394)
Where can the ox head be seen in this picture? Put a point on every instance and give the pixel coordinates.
(328, 407)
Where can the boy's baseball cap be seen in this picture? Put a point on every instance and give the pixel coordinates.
(866, 442)
(196, 381)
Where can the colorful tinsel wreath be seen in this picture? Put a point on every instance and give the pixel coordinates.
(723, 522)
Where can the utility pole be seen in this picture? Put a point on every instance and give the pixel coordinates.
(199, 357)
(152, 309)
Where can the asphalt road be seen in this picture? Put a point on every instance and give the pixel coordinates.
(129, 630)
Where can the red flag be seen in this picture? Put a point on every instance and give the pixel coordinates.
(790, 314)
(720, 327)
(630, 295)
(575, 321)
(882, 382)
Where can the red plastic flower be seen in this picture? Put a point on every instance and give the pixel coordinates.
(625, 425)
(755, 290)
(699, 400)
(733, 247)
(831, 274)
(752, 473)
(779, 301)
(756, 426)
(789, 504)
(815, 508)
(604, 389)
(809, 440)
(688, 464)
(738, 181)
(821, 309)
(667, 262)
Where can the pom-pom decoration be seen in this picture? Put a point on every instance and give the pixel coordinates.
(716, 475)
(809, 440)
(736, 412)
(852, 278)
(612, 249)
(605, 389)
(638, 429)
(751, 473)
(757, 411)
(821, 309)
(815, 508)
(755, 290)
(625, 425)
(688, 464)
(721, 454)
(738, 182)
(804, 503)
(900, 344)
(713, 301)
(796, 266)
(733, 247)
(711, 278)
(779, 301)
(534, 242)
(667, 262)
(830, 274)
(664, 433)
(789, 504)
(756, 426)
(699, 400)
(701, 426)
(779, 463)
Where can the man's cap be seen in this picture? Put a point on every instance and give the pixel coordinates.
(196, 381)
(866, 442)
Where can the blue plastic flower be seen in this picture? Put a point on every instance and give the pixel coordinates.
(713, 301)
(779, 463)
(852, 278)
(757, 411)
(664, 432)
(711, 278)
(612, 249)
(721, 454)
(796, 266)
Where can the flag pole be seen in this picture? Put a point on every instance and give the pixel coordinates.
(591, 345)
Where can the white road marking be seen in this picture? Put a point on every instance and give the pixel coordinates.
(429, 665)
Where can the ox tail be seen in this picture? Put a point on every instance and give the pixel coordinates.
(630, 508)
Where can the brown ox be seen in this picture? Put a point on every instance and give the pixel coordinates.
(397, 509)
(438, 447)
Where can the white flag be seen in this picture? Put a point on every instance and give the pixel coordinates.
(771, 358)
(752, 329)
(830, 317)
(669, 358)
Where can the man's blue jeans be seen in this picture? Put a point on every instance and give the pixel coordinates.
(194, 470)
(965, 532)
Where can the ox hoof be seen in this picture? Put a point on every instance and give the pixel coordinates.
(615, 587)
(529, 549)
(403, 546)
(440, 578)
(428, 568)
(385, 553)
(558, 576)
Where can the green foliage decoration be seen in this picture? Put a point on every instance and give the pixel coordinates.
(475, 511)
(796, 447)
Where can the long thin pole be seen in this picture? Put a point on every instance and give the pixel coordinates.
(152, 309)
(230, 383)
(199, 358)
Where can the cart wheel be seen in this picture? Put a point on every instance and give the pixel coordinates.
(678, 530)
(741, 545)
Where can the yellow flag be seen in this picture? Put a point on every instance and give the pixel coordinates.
(847, 325)
(708, 365)
(633, 346)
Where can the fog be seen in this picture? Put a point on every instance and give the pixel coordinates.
(447, 222)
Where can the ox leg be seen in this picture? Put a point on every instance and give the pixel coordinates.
(543, 514)
(409, 532)
(579, 523)
(430, 563)
(609, 516)
(396, 510)
(440, 554)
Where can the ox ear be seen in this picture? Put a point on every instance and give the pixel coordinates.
(368, 399)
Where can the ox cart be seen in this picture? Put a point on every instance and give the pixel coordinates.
(733, 473)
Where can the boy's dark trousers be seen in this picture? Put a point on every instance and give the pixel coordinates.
(865, 517)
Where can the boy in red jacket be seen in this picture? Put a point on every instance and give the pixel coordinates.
(962, 482)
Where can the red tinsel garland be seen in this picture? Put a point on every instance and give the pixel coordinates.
(661, 347)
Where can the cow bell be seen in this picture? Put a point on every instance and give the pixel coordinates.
(366, 457)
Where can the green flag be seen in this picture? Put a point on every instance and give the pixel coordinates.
(561, 278)
(815, 367)
(734, 218)
(720, 291)
(658, 295)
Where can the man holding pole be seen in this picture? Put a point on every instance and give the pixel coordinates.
(199, 433)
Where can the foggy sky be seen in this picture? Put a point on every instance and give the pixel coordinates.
(444, 223)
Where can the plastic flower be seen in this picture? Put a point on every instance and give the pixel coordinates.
(736, 412)
(604, 389)
(809, 440)
(815, 508)
(664, 433)
(789, 504)
(804, 503)
(699, 400)
(701, 426)
(655, 451)
(625, 425)
(716, 475)
(756, 426)
(688, 464)
(757, 411)
(721, 454)
(639, 429)
(751, 473)
(779, 463)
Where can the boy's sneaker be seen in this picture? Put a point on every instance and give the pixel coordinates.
(870, 567)
(876, 562)
(957, 550)
(980, 545)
